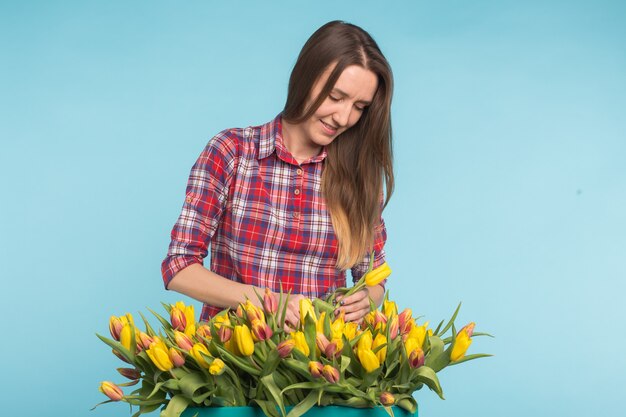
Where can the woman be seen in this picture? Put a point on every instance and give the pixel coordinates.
(294, 203)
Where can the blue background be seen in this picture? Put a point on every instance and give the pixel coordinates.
(510, 148)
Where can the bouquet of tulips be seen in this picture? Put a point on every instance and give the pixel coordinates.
(245, 357)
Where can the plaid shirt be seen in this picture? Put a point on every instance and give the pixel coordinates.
(263, 215)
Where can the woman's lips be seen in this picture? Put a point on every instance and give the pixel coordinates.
(328, 129)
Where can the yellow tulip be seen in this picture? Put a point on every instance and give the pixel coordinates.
(306, 308)
(160, 356)
(111, 390)
(182, 340)
(461, 343)
(377, 275)
(410, 345)
(190, 318)
(380, 340)
(196, 352)
(300, 342)
(315, 368)
(368, 359)
(217, 367)
(366, 340)
(253, 312)
(243, 340)
(336, 327)
(261, 330)
(204, 332)
(319, 326)
(416, 358)
(390, 309)
(349, 330)
(178, 319)
(125, 335)
(331, 374)
(387, 399)
(419, 333)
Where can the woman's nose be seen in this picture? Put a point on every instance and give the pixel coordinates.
(342, 115)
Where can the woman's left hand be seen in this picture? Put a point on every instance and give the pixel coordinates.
(354, 306)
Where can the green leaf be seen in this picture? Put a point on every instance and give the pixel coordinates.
(271, 386)
(437, 358)
(470, 357)
(304, 406)
(407, 402)
(309, 335)
(175, 407)
(429, 378)
(268, 407)
(149, 328)
(245, 366)
(166, 324)
(345, 362)
(119, 347)
(191, 383)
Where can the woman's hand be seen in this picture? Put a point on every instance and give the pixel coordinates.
(354, 306)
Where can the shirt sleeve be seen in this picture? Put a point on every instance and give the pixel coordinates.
(380, 237)
(205, 199)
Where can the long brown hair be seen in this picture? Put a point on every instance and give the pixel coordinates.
(360, 158)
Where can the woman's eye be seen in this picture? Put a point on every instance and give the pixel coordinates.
(334, 98)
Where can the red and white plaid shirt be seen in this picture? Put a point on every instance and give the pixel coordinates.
(263, 215)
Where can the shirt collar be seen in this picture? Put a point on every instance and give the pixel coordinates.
(271, 140)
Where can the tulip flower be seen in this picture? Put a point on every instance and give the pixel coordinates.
(159, 355)
(380, 340)
(285, 347)
(261, 330)
(125, 335)
(269, 302)
(405, 321)
(224, 331)
(130, 373)
(300, 342)
(306, 308)
(177, 358)
(143, 340)
(461, 343)
(331, 374)
(380, 320)
(377, 275)
(253, 312)
(419, 334)
(182, 340)
(390, 309)
(332, 350)
(416, 358)
(319, 326)
(178, 319)
(349, 330)
(197, 352)
(204, 332)
(336, 327)
(115, 327)
(315, 368)
(111, 390)
(321, 341)
(217, 367)
(368, 359)
(387, 399)
(366, 340)
(393, 327)
(243, 340)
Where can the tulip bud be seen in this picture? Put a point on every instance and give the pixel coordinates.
(197, 351)
(390, 308)
(125, 336)
(144, 340)
(332, 350)
(337, 327)
(319, 326)
(261, 331)
(204, 332)
(387, 399)
(393, 327)
(115, 327)
(416, 358)
(377, 275)
(178, 319)
(365, 342)
(253, 312)
(285, 347)
(380, 340)
(321, 341)
(111, 390)
(269, 302)
(419, 333)
(130, 373)
(217, 367)
(239, 311)
(177, 358)
(243, 339)
(315, 368)
(380, 320)
(405, 321)
(461, 343)
(119, 356)
(306, 308)
(225, 333)
(349, 330)
(368, 359)
(301, 343)
(182, 340)
(159, 355)
(331, 374)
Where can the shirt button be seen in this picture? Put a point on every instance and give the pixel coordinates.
(188, 199)
(297, 192)
(299, 171)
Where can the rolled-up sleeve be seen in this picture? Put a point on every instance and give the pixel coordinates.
(380, 237)
(205, 199)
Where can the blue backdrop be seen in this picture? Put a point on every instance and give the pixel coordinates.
(510, 148)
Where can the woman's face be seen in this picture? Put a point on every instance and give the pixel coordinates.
(351, 94)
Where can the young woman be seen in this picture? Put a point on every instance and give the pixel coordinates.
(295, 202)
